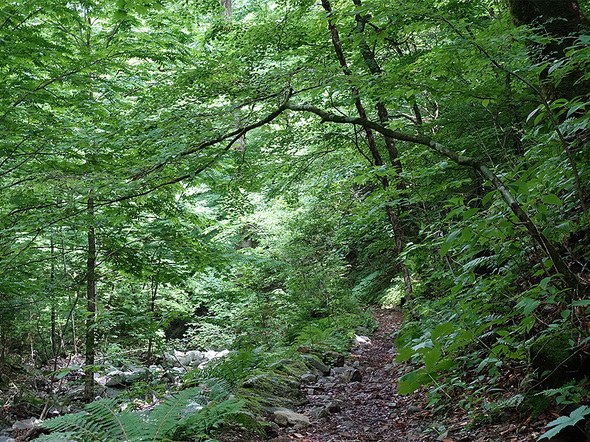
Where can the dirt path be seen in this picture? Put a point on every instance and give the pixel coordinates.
(369, 410)
(372, 411)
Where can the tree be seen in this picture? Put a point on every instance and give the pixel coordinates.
(558, 24)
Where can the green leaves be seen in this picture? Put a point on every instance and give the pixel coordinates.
(433, 349)
(557, 425)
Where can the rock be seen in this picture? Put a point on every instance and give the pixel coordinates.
(334, 359)
(346, 374)
(326, 379)
(334, 406)
(25, 424)
(7, 439)
(118, 378)
(286, 417)
(271, 429)
(193, 358)
(275, 389)
(192, 407)
(111, 392)
(308, 379)
(318, 412)
(315, 363)
(360, 340)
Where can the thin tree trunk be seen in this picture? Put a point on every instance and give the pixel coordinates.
(53, 337)
(90, 303)
(152, 309)
(369, 58)
(377, 159)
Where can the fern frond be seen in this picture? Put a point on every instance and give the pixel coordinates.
(70, 427)
(166, 415)
(104, 421)
(104, 415)
(210, 417)
(232, 369)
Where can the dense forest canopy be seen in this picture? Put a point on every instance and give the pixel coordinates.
(199, 174)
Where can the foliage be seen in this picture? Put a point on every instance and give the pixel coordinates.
(260, 227)
(562, 422)
(232, 369)
(193, 411)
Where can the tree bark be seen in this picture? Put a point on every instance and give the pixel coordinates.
(369, 58)
(89, 354)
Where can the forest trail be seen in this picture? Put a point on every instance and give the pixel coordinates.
(370, 410)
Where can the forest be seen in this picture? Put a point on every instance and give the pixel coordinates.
(205, 203)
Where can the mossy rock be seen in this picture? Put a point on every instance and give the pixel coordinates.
(289, 367)
(552, 357)
(273, 385)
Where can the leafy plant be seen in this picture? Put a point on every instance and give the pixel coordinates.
(196, 410)
(559, 424)
(232, 369)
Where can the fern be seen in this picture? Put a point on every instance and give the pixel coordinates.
(233, 369)
(105, 420)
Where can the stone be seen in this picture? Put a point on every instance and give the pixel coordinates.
(111, 392)
(192, 407)
(334, 406)
(346, 374)
(286, 417)
(271, 429)
(318, 412)
(308, 379)
(334, 359)
(25, 424)
(118, 378)
(316, 363)
(360, 340)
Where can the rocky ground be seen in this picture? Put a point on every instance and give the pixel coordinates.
(370, 409)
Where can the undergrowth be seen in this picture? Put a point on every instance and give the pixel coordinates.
(191, 414)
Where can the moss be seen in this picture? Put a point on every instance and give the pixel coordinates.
(551, 356)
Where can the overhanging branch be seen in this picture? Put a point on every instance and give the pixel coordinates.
(559, 264)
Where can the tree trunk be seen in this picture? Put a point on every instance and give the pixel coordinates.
(372, 144)
(90, 304)
(562, 21)
(152, 309)
(369, 58)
